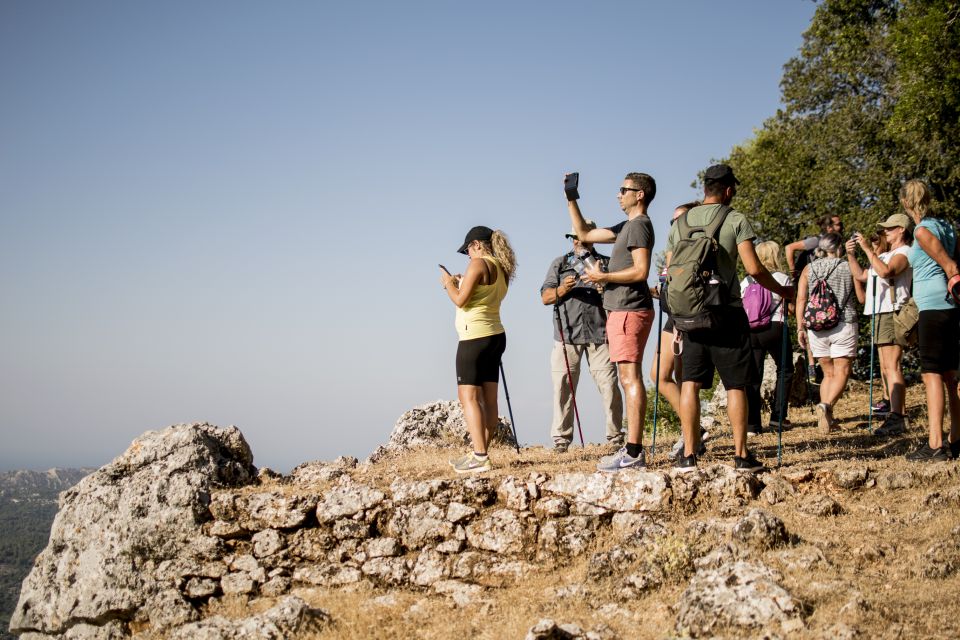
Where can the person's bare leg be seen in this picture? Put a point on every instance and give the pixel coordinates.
(826, 365)
(838, 379)
(669, 389)
(737, 413)
(490, 412)
(635, 397)
(933, 382)
(469, 396)
(890, 356)
(690, 416)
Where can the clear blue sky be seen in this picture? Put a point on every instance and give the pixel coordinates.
(233, 211)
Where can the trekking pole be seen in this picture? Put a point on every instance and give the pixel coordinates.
(506, 391)
(781, 392)
(566, 361)
(873, 321)
(656, 385)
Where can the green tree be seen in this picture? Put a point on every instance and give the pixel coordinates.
(871, 100)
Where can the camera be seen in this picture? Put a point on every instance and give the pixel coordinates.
(570, 183)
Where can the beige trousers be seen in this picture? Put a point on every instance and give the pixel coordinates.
(604, 374)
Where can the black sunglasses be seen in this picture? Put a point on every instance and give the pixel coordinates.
(623, 190)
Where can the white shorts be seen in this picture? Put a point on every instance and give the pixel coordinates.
(839, 342)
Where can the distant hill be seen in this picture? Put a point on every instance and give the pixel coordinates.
(28, 504)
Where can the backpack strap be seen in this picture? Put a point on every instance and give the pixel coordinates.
(711, 230)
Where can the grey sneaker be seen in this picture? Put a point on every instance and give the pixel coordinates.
(621, 460)
(472, 464)
(453, 462)
(893, 424)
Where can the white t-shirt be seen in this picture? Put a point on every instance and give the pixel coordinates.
(901, 286)
(778, 306)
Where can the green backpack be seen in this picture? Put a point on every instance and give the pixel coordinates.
(694, 288)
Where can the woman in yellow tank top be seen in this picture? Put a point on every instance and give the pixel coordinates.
(477, 295)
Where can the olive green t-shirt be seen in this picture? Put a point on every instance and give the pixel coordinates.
(736, 228)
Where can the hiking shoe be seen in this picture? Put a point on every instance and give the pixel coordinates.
(472, 464)
(685, 464)
(825, 419)
(893, 424)
(453, 462)
(924, 453)
(747, 463)
(561, 446)
(621, 460)
(881, 408)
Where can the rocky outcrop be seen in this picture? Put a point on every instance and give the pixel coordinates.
(439, 423)
(125, 536)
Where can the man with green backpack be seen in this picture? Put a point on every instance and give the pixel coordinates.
(703, 296)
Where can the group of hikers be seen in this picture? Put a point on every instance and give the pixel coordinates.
(716, 322)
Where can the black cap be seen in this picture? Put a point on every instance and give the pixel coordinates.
(477, 233)
(721, 173)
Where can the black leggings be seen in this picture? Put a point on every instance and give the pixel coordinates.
(769, 340)
(478, 360)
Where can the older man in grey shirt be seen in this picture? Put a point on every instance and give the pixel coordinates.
(583, 323)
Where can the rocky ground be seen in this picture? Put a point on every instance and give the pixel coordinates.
(181, 537)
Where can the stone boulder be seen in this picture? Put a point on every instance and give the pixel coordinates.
(127, 535)
(741, 595)
(289, 617)
(439, 423)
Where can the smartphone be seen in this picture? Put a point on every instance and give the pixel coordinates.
(570, 184)
(444, 269)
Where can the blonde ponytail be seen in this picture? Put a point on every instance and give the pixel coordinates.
(503, 252)
(915, 196)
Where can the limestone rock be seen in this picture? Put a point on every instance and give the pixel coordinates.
(760, 529)
(551, 508)
(502, 531)
(566, 537)
(624, 491)
(430, 567)
(139, 511)
(266, 510)
(435, 424)
(419, 525)
(289, 617)
(513, 492)
(383, 548)
(327, 575)
(311, 544)
(741, 594)
(820, 505)
(891, 480)
(390, 571)
(461, 593)
(776, 489)
(267, 543)
(347, 499)
(850, 478)
(319, 472)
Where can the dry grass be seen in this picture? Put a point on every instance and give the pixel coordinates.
(875, 549)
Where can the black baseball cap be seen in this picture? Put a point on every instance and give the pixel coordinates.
(477, 233)
(721, 173)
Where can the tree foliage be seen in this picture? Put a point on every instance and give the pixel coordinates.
(871, 100)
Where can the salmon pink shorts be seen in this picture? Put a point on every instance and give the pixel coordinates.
(627, 333)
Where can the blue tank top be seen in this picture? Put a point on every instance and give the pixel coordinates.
(929, 280)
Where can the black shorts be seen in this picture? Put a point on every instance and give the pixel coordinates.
(726, 348)
(478, 360)
(939, 337)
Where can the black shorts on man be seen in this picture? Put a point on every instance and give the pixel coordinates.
(725, 349)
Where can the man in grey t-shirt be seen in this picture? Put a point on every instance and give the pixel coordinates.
(582, 322)
(628, 303)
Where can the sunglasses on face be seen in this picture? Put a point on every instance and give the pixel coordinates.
(623, 190)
